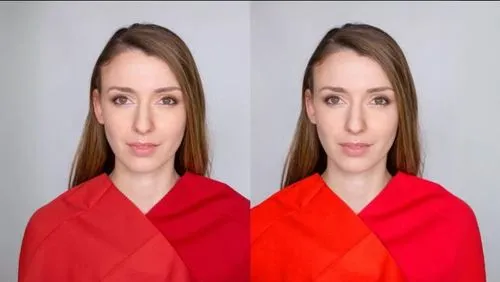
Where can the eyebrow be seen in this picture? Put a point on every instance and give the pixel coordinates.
(132, 91)
(343, 90)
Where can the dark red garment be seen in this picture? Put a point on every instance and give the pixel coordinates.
(198, 232)
(432, 234)
(208, 223)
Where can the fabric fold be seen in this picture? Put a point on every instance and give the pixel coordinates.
(306, 233)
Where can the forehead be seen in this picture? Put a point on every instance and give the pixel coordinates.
(349, 70)
(133, 68)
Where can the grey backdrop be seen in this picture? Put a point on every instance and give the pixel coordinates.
(452, 49)
(47, 54)
(48, 50)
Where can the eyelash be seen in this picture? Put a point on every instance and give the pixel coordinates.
(168, 101)
(384, 100)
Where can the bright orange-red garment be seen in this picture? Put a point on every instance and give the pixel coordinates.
(92, 233)
(306, 233)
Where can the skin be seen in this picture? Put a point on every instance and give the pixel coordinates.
(353, 102)
(141, 102)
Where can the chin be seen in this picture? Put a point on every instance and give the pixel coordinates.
(354, 165)
(145, 165)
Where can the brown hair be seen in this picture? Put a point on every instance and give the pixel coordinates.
(94, 155)
(306, 155)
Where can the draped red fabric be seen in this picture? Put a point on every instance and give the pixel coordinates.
(208, 223)
(94, 233)
(432, 234)
(306, 233)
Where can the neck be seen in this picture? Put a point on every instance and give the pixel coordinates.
(358, 189)
(144, 189)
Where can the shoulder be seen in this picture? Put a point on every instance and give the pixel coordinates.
(211, 186)
(67, 205)
(289, 200)
(218, 197)
(70, 202)
(455, 224)
(448, 206)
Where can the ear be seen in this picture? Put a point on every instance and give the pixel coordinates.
(96, 101)
(311, 113)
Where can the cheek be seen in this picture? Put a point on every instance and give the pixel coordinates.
(116, 123)
(116, 135)
(329, 122)
(385, 125)
(172, 124)
(330, 128)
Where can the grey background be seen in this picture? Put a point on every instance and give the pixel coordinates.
(452, 49)
(46, 59)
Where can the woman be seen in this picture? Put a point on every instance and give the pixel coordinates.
(354, 206)
(141, 206)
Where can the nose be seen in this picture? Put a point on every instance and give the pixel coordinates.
(355, 121)
(143, 121)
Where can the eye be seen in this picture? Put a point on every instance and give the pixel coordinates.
(381, 101)
(119, 100)
(333, 100)
(168, 101)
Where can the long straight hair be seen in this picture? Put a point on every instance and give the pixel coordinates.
(94, 155)
(306, 155)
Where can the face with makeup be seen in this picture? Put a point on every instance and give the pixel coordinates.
(354, 109)
(141, 106)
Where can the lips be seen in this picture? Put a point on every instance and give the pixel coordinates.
(142, 149)
(355, 146)
(142, 146)
(355, 149)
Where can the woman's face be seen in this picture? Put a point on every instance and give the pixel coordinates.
(142, 109)
(354, 108)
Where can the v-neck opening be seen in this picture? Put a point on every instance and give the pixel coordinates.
(179, 182)
(372, 202)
